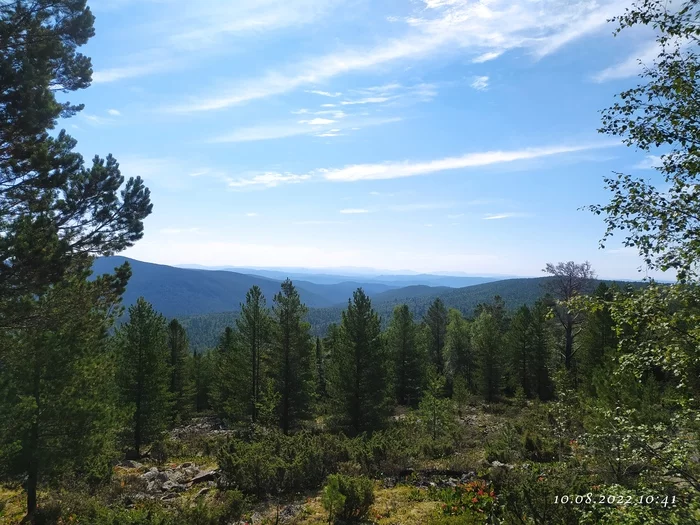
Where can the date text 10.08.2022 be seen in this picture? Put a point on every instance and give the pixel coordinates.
(601, 499)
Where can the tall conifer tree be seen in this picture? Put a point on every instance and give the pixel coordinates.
(291, 357)
(436, 321)
(406, 357)
(358, 369)
(254, 333)
(143, 374)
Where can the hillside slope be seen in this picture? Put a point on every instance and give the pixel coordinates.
(176, 292)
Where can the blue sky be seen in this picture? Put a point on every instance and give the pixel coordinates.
(430, 135)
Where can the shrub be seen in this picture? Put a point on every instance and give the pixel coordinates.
(348, 498)
(224, 508)
(467, 498)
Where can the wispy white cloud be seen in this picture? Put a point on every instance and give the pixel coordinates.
(353, 211)
(267, 180)
(491, 55)
(330, 133)
(649, 162)
(325, 93)
(480, 83)
(394, 170)
(632, 65)
(317, 121)
(279, 131)
(182, 33)
(252, 214)
(368, 100)
(498, 216)
(96, 120)
(114, 112)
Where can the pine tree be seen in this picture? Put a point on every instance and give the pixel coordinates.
(229, 392)
(57, 406)
(254, 328)
(291, 357)
(181, 388)
(143, 373)
(461, 361)
(321, 390)
(357, 375)
(54, 212)
(436, 321)
(202, 378)
(406, 357)
(487, 340)
(436, 411)
(598, 338)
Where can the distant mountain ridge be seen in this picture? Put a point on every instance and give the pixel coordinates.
(177, 292)
(326, 277)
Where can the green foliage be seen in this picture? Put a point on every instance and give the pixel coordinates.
(467, 498)
(291, 357)
(229, 387)
(54, 212)
(332, 499)
(58, 414)
(181, 386)
(436, 412)
(406, 356)
(529, 492)
(488, 341)
(436, 322)
(143, 374)
(529, 351)
(348, 499)
(254, 333)
(358, 370)
(461, 360)
(660, 112)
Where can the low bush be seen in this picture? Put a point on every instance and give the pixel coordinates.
(348, 499)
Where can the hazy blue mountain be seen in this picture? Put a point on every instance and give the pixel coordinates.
(177, 291)
(334, 277)
(182, 291)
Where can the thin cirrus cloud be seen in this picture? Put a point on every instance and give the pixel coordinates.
(395, 170)
(632, 65)
(176, 38)
(353, 211)
(484, 30)
(267, 180)
(480, 83)
(499, 216)
(310, 127)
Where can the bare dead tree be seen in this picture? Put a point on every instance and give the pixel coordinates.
(569, 280)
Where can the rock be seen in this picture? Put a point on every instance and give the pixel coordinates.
(170, 496)
(150, 475)
(186, 465)
(170, 486)
(289, 512)
(498, 464)
(202, 492)
(154, 486)
(130, 463)
(209, 475)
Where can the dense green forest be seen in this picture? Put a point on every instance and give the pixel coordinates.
(561, 400)
(204, 329)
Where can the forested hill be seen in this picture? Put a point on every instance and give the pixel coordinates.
(204, 330)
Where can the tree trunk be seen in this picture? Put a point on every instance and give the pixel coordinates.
(569, 346)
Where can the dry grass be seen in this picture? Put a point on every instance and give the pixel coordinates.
(12, 505)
